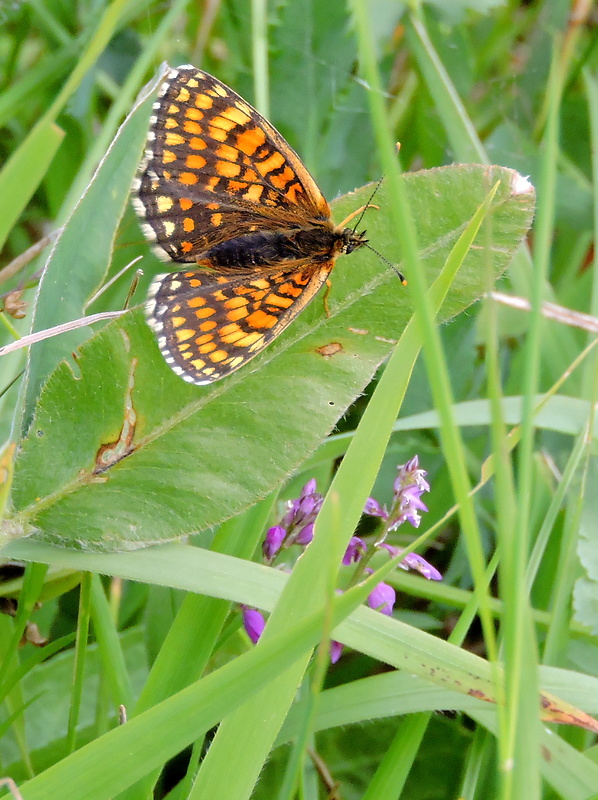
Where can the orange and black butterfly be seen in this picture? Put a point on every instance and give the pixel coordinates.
(221, 190)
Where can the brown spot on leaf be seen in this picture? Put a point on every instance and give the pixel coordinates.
(113, 452)
(330, 349)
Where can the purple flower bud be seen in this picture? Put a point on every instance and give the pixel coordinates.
(420, 564)
(309, 488)
(307, 506)
(289, 517)
(336, 649)
(254, 623)
(382, 598)
(373, 509)
(414, 561)
(273, 541)
(305, 535)
(355, 551)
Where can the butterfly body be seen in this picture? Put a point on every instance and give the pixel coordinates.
(221, 191)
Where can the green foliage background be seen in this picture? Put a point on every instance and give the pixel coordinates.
(481, 83)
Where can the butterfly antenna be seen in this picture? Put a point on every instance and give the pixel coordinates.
(386, 261)
(367, 205)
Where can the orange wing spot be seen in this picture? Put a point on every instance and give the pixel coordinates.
(289, 288)
(174, 138)
(236, 115)
(217, 133)
(235, 362)
(254, 193)
(260, 283)
(202, 313)
(236, 186)
(198, 363)
(195, 162)
(256, 297)
(207, 347)
(226, 330)
(207, 337)
(259, 319)
(249, 141)
(183, 347)
(212, 183)
(227, 170)
(188, 225)
(218, 89)
(178, 321)
(237, 313)
(193, 83)
(172, 109)
(164, 203)
(197, 144)
(196, 302)
(168, 157)
(212, 206)
(186, 246)
(303, 278)
(192, 127)
(236, 302)
(170, 123)
(275, 161)
(218, 355)
(188, 178)
(219, 296)
(204, 101)
(186, 355)
(208, 325)
(277, 300)
(183, 95)
(242, 106)
(249, 339)
(232, 338)
(292, 191)
(227, 152)
(250, 176)
(285, 177)
(194, 113)
(185, 203)
(167, 177)
(184, 334)
(216, 220)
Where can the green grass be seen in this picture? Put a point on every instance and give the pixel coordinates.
(497, 402)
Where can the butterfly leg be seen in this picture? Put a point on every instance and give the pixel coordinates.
(325, 298)
(354, 214)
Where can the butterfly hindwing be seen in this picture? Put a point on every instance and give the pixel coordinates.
(209, 325)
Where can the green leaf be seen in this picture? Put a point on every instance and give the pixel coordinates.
(126, 453)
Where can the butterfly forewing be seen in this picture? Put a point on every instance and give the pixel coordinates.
(215, 168)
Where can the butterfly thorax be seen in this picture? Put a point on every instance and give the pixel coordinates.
(316, 244)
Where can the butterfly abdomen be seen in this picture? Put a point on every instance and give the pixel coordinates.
(266, 248)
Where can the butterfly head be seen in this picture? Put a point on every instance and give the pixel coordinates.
(351, 240)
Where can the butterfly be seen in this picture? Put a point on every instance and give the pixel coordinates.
(221, 191)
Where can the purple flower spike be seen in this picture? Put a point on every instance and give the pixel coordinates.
(355, 551)
(305, 535)
(273, 541)
(254, 623)
(336, 649)
(382, 598)
(373, 509)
